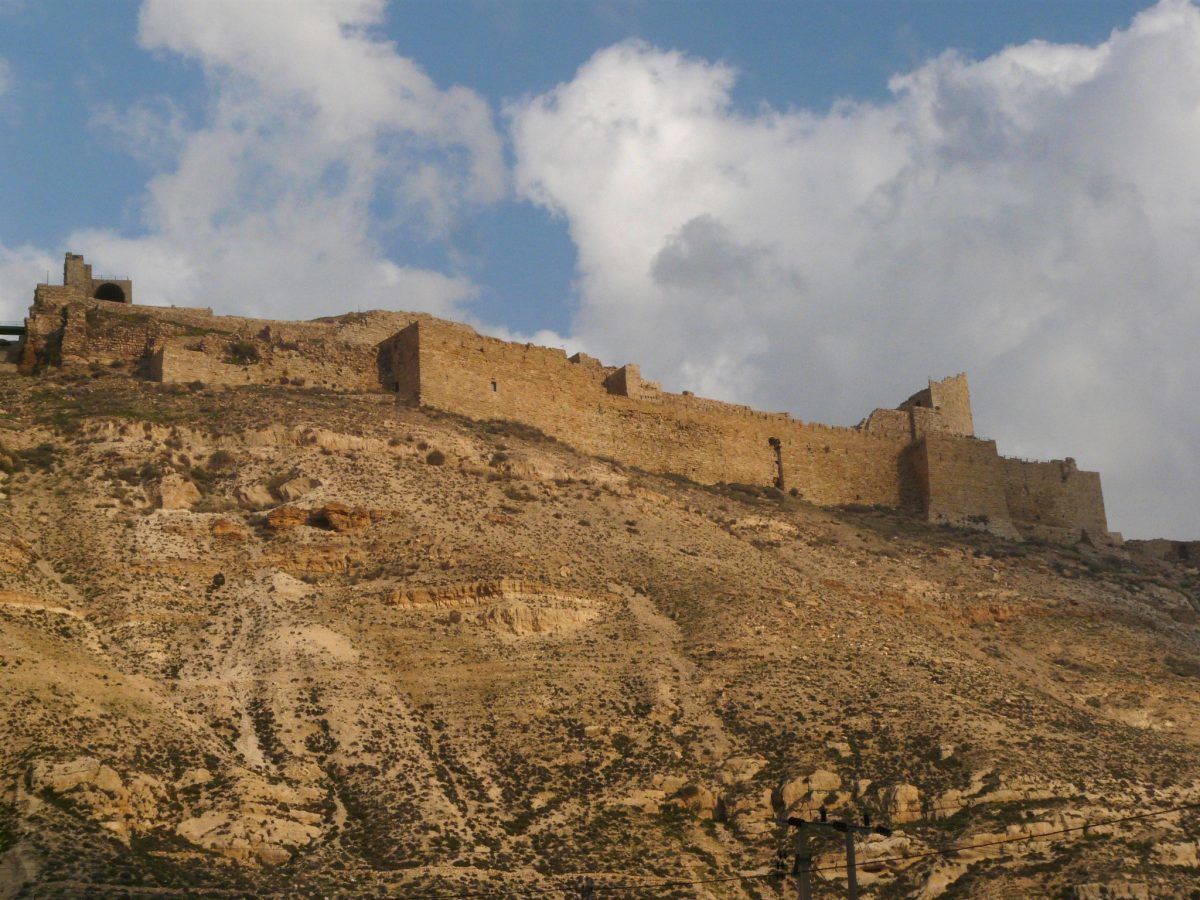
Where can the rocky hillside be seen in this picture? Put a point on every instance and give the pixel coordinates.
(261, 639)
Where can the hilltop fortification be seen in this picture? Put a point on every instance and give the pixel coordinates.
(922, 456)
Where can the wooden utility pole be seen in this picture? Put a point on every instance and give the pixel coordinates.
(802, 855)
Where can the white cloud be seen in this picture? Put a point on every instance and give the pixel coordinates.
(319, 141)
(21, 268)
(1031, 218)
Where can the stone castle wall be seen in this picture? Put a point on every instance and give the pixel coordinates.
(191, 344)
(1056, 494)
(705, 440)
(922, 456)
(960, 482)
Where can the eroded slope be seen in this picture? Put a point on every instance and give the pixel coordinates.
(256, 638)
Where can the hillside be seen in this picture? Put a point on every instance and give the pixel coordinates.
(278, 639)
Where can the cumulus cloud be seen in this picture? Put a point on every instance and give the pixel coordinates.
(22, 267)
(319, 140)
(1030, 218)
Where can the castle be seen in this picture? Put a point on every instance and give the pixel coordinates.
(922, 456)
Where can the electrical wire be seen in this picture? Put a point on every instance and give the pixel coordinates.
(945, 851)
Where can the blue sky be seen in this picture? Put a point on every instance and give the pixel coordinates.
(70, 58)
(804, 206)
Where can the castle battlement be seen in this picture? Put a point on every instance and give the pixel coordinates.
(921, 456)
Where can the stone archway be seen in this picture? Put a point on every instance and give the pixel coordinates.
(110, 291)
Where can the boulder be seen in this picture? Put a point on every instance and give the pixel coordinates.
(344, 518)
(254, 496)
(821, 781)
(296, 488)
(737, 769)
(285, 518)
(901, 803)
(696, 799)
(173, 491)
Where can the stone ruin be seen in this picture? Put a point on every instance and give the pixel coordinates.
(921, 457)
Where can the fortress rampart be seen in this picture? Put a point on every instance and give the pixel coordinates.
(921, 457)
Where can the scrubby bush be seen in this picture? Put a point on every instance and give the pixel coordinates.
(435, 458)
(244, 352)
(222, 460)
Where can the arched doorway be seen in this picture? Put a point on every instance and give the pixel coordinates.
(110, 291)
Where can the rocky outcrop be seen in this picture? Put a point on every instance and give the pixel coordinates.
(806, 795)
(330, 517)
(122, 805)
(1112, 890)
(173, 491)
(521, 619)
(296, 488)
(901, 803)
(268, 839)
(285, 518)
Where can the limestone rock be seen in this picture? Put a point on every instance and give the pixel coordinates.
(343, 518)
(254, 496)
(647, 801)
(520, 619)
(285, 518)
(819, 782)
(228, 530)
(669, 784)
(737, 769)
(194, 777)
(173, 491)
(901, 803)
(751, 814)
(269, 839)
(1177, 854)
(58, 778)
(696, 799)
(1112, 890)
(296, 488)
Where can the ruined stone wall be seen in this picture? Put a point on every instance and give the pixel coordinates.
(1055, 494)
(889, 422)
(961, 483)
(325, 364)
(706, 440)
(94, 334)
(185, 344)
(916, 457)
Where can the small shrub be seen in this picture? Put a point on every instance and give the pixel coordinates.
(244, 352)
(222, 460)
(435, 458)
(43, 456)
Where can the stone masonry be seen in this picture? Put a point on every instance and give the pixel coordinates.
(922, 456)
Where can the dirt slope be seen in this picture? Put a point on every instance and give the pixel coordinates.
(261, 640)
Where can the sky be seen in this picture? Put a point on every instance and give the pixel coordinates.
(811, 207)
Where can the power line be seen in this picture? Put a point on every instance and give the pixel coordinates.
(1022, 838)
(945, 851)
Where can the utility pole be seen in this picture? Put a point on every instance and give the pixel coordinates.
(802, 856)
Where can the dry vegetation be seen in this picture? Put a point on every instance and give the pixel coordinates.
(269, 639)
